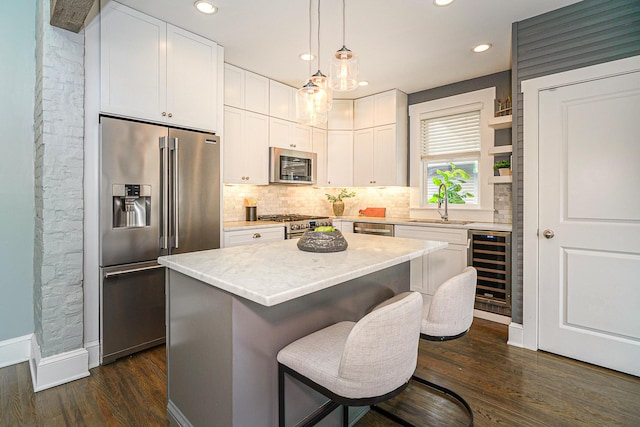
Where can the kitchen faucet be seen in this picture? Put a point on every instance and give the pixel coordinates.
(444, 217)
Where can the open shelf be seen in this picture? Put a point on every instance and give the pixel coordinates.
(500, 179)
(502, 149)
(500, 122)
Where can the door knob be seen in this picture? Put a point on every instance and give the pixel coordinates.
(548, 234)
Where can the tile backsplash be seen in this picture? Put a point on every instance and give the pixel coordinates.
(281, 199)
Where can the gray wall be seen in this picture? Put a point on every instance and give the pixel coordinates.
(501, 81)
(17, 83)
(576, 36)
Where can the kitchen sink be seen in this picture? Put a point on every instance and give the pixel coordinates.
(440, 221)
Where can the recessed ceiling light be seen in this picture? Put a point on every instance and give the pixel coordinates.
(363, 83)
(442, 2)
(205, 7)
(482, 47)
(306, 56)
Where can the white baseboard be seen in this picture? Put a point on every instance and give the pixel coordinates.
(516, 335)
(93, 348)
(487, 315)
(59, 369)
(15, 350)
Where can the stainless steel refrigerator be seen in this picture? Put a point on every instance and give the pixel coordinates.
(160, 194)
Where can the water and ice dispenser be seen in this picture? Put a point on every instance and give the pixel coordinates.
(131, 205)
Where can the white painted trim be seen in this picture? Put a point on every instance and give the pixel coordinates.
(15, 350)
(516, 337)
(493, 317)
(484, 98)
(93, 348)
(56, 370)
(530, 90)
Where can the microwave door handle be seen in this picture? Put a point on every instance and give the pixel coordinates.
(176, 189)
(164, 193)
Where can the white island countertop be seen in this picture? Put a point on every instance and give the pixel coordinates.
(276, 272)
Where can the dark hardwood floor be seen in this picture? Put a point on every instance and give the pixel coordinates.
(504, 385)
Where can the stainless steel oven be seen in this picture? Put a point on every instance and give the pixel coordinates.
(295, 225)
(291, 166)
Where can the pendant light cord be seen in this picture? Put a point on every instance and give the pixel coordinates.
(318, 35)
(343, 23)
(310, 14)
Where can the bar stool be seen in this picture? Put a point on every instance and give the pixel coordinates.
(356, 364)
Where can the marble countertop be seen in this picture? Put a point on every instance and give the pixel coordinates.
(490, 226)
(248, 225)
(276, 272)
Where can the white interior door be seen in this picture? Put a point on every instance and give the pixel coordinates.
(589, 221)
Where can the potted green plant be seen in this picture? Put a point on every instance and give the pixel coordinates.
(338, 204)
(453, 178)
(503, 167)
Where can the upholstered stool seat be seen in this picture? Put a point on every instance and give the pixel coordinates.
(448, 315)
(357, 364)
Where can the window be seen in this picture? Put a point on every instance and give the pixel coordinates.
(451, 140)
(453, 130)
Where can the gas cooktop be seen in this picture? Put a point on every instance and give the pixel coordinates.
(289, 217)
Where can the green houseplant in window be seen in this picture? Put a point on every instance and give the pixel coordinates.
(453, 180)
(503, 167)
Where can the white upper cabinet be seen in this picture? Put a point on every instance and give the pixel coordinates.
(340, 159)
(246, 90)
(384, 108)
(282, 101)
(363, 112)
(341, 115)
(192, 82)
(319, 146)
(289, 135)
(381, 109)
(153, 71)
(381, 157)
(246, 147)
(133, 63)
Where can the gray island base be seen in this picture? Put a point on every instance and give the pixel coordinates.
(225, 324)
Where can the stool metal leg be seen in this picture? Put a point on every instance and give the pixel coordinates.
(345, 416)
(281, 421)
(450, 393)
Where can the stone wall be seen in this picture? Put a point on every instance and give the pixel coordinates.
(278, 199)
(58, 240)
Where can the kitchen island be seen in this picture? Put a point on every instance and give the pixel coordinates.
(229, 312)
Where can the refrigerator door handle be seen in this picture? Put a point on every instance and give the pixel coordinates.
(164, 193)
(122, 271)
(176, 189)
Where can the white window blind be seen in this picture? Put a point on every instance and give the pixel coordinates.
(448, 136)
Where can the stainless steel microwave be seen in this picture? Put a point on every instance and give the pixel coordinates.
(291, 166)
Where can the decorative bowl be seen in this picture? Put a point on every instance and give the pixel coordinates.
(322, 241)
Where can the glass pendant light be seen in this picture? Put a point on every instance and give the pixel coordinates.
(319, 79)
(311, 104)
(344, 65)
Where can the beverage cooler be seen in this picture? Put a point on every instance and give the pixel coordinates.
(490, 254)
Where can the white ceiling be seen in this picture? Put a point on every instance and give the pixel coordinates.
(410, 45)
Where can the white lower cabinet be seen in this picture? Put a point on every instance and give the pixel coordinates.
(345, 226)
(431, 271)
(253, 235)
(246, 147)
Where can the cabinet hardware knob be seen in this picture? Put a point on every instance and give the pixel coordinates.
(164, 113)
(170, 115)
(548, 234)
(257, 236)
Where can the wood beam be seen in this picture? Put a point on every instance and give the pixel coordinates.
(70, 14)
